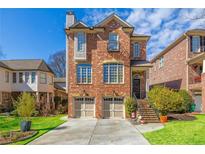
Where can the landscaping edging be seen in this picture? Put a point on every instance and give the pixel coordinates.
(21, 138)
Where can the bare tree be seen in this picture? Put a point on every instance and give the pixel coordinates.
(57, 62)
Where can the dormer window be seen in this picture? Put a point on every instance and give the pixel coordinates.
(113, 44)
(195, 43)
(136, 50)
(80, 46)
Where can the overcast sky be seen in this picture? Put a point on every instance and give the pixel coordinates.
(37, 33)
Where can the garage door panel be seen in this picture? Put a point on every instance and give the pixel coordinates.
(89, 113)
(118, 114)
(113, 107)
(84, 107)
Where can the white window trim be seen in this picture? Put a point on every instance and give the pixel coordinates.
(81, 75)
(198, 37)
(76, 57)
(19, 77)
(134, 50)
(13, 78)
(117, 75)
(161, 62)
(45, 79)
(34, 77)
(118, 43)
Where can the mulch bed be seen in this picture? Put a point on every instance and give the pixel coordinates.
(184, 117)
(14, 136)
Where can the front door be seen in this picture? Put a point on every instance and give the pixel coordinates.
(136, 87)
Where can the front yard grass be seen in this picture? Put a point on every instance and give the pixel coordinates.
(180, 132)
(41, 124)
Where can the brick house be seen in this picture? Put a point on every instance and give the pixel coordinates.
(105, 64)
(33, 76)
(181, 66)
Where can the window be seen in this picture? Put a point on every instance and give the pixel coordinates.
(113, 73)
(195, 43)
(113, 42)
(161, 62)
(20, 77)
(7, 77)
(136, 49)
(50, 80)
(84, 73)
(43, 79)
(27, 77)
(81, 42)
(33, 77)
(14, 77)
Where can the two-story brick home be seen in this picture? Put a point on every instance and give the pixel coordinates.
(33, 76)
(181, 66)
(105, 64)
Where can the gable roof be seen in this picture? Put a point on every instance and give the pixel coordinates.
(79, 24)
(111, 17)
(3, 65)
(26, 64)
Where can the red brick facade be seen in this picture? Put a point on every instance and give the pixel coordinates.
(182, 68)
(97, 55)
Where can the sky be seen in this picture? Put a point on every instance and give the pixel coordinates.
(38, 33)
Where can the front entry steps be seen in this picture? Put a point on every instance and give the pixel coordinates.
(146, 112)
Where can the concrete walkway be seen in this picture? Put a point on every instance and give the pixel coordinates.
(94, 132)
(149, 127)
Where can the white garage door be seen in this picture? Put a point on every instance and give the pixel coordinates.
(198, 102)
(113, 107)
(84, 107)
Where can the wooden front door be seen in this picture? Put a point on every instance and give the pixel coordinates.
(136, 87)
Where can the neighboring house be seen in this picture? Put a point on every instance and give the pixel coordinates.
(60, 88)
(105, 64)
(33, 76)
(182, 65)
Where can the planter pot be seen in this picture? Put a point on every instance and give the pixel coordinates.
(133, 115)
(163, 119)
(25, 126)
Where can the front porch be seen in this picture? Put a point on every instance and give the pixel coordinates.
(196, 80)
(139, 78)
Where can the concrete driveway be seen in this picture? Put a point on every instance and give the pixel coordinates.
(94, 132)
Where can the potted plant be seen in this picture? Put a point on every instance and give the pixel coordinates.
(25, 106)
(163, 116)
(131, 107)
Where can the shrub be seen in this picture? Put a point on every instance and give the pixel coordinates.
(187, 101)
(165, 100)
(25, 106)
(130, 105)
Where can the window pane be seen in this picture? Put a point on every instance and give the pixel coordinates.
(84, 73)
(33, 77)
(136, 49)
(81, 41)
(43, 79)
(113, 73)
(26, 77)
(14, 77)
(21, 77)
(113, 41)
(6, 77)
(195, 43)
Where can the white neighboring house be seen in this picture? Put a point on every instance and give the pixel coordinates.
(33, 76)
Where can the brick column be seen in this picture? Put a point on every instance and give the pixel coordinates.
(70, 106)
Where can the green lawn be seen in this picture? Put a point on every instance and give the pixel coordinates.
(180, 132)
(41, 124)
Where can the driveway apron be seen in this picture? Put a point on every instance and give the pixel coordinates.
(93, 132)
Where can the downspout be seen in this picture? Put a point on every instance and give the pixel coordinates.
(187, 66)
(67, 60)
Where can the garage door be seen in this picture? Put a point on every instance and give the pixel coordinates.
(113, 107)
(84, 107)
(198, 103)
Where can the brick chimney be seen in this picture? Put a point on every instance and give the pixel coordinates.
(70, 19)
